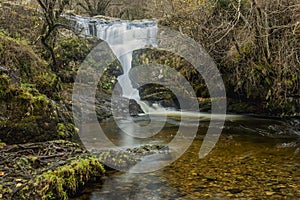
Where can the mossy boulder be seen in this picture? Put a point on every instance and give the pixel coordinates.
(29, 96)
(71, 51)
(65, 181)
(47, 170)
(34, 119)
(24, 66)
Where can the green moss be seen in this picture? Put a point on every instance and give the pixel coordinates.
(2, 144)
(4, 85)
(65, 130)
(32, 116)
(70, 52)
(26, 66)
(66, 180)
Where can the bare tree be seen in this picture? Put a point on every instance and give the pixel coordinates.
(52, 10)
(254, 42)
(94, 7)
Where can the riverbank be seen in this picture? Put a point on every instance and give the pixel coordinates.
(48, 170)
(251, 160)
(36, 83)
(59, 169)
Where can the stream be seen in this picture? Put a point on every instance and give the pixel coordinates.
(255, 158)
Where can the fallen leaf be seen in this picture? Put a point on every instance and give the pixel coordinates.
(269, 193)
(19, 185)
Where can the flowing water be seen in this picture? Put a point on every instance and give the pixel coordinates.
(123, 37)
(254, 158)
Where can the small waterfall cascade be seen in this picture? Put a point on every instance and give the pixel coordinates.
(123, 37)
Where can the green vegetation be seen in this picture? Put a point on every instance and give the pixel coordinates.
(26, 84)
(66, 180)
(70, 52)
(46, 170)
(29, 81)
(25, 67)
(2, 144)
(255, 44)
(35, 118)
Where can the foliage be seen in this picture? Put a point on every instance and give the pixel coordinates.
(70, 53)
(254, 43)
(30, 92)
(33, 120)
(109, 78)
(65, 130)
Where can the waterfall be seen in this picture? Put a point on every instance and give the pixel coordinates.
(123, 37)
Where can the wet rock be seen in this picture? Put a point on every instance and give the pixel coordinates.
(158, 94)
(235, 190)
(134, 108)
(103, 106)
(123, 107)
(149, 149)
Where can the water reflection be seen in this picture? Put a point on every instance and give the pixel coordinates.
(134, 186)
(244, 164)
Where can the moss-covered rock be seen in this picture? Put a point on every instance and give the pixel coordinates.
(65, 181)
(70, 53)
(30, 96)
(24, 66)
(48, 170)
(26, 115)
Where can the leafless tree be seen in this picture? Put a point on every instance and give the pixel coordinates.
(94, 7)
(52, 10)
(254, 42)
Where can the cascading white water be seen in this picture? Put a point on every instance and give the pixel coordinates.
(123, 37)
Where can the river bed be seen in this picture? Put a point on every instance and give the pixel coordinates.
(255, 158)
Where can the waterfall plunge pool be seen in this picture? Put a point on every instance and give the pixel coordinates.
(254, 158)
